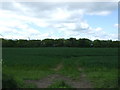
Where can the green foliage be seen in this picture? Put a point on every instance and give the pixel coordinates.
(100, 64)
(8, 81)
(71, 42)
(84, 43)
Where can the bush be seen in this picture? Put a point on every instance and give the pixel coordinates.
(8, 81)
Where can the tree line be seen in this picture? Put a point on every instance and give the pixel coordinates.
(71, 42)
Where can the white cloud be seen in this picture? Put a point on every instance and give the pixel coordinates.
(117, 25)
(84, 25)
(98, 29)
(13, 25)
(42, 9)
(60, 14)
(102, 13)
(23, 20)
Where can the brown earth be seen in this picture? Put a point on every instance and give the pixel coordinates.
(45, 82)
(83, 82)
(59, 66)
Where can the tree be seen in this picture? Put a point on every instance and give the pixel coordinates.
(48, 42)
(84, 42)
(22, 43)
(8, 43)
(97, 43)
(59, 42)
(71, 42)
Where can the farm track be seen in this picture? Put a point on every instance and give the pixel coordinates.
(59, 66)
(47, 81)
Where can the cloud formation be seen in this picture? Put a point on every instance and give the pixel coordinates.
(52, 20)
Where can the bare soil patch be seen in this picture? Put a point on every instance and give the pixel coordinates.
(47, 81)
(82, 82)
(59, 66)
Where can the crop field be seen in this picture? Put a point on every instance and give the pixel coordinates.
(29, 66)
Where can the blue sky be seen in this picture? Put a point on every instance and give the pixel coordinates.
(105, 22)
(40, 20)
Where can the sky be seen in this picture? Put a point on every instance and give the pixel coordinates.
(41, 20)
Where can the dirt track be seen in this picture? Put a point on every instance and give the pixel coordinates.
(45, 82)
(82, 82)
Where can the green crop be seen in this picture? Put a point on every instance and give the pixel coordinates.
(99, 64)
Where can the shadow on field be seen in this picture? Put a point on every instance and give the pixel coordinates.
(8, 81)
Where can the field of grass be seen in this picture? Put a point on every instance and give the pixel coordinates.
(99, 64)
